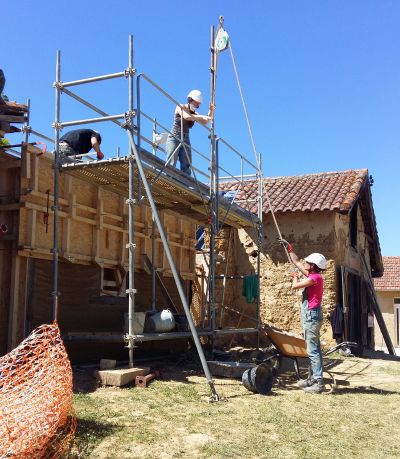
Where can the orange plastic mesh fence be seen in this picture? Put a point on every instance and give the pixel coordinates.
(36, 419)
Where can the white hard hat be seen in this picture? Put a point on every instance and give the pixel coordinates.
(196, 95)
(317, 259)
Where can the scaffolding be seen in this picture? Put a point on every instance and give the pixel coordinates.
(200, 200)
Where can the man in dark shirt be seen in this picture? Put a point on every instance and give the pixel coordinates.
(79, 142)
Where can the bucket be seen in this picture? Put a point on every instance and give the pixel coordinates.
(258, 379)
(162, 321)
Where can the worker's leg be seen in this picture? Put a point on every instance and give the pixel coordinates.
(312, 327)
(65, 153)
(171, 149)
(303, 319)
(185, 155)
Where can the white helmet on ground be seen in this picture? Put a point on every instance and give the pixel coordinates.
(196, 95)
(317, 259)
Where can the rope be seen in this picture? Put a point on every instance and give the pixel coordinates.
(243, 103)
(254, 147)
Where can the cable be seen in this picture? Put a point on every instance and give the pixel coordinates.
(254, 146)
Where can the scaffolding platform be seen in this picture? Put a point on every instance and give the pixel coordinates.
(172, 190)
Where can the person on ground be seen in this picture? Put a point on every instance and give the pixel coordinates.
(311, 313)
(80, 142)
(178, 141)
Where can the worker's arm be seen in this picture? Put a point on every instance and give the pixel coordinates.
(185, 113)
(296, 261)
(96, 147)
(297, 283)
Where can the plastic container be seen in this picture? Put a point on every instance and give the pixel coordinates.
(160, 322)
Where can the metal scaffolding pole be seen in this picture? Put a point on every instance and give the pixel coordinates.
(93, 79)
(213, 190)
(56, 187)
(131, 203)
(89, 105)
(214, 395)
(92, 120)
(259, 242)
(26, 129)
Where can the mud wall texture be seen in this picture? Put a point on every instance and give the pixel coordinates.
(279, 304)
(323, 232)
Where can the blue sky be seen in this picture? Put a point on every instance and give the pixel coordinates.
(321, 79)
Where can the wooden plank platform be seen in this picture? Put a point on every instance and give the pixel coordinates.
(172, 190)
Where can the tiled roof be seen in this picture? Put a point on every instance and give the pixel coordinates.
(334, 191)
(391, 275)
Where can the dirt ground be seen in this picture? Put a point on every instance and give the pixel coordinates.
(356, 417)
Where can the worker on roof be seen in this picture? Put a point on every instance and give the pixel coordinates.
(311, 313)
(80, 142)
(178, 141)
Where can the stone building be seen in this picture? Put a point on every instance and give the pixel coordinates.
(388, 294)
(330, 213)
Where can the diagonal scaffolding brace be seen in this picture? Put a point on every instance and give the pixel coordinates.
(214, 395)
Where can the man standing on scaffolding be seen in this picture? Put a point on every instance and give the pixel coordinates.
(79, 142)
(178, 142)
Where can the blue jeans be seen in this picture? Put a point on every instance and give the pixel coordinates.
(175, 149)
(312, 322)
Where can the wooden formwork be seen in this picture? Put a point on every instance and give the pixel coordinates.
(93, 231)
(93, 222)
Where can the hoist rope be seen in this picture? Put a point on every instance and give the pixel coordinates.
(254, 147)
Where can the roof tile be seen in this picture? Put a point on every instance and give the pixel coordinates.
(391, 275)
(334, 191)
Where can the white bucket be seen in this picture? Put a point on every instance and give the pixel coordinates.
(162, 321)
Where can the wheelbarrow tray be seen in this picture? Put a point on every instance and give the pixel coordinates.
(288, 344)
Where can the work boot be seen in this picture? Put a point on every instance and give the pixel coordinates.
(303, 383)
(317, 387)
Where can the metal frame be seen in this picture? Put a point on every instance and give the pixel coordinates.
(133, 158)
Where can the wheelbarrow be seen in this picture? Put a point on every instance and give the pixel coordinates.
(292, 346)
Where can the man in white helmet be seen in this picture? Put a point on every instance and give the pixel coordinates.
(178, 141)
(311, 313)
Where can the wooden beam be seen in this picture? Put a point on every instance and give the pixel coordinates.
(10, 164)
(25, 163)
(12, 118)
(17, 298)
(66, 241)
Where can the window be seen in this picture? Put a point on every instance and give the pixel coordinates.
(396, 302)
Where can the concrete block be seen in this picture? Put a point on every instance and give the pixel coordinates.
(120, 376)
(107, 364)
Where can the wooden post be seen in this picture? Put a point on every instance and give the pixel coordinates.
(17, 301)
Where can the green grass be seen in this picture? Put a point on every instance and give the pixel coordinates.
(172, 419)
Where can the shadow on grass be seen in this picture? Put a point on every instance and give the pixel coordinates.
(369, 390)
(379, 355)
(88, 434)
(84, 381)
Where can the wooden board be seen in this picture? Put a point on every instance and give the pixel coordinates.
(93, 225)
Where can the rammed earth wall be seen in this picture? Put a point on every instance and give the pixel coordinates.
(324, 232)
